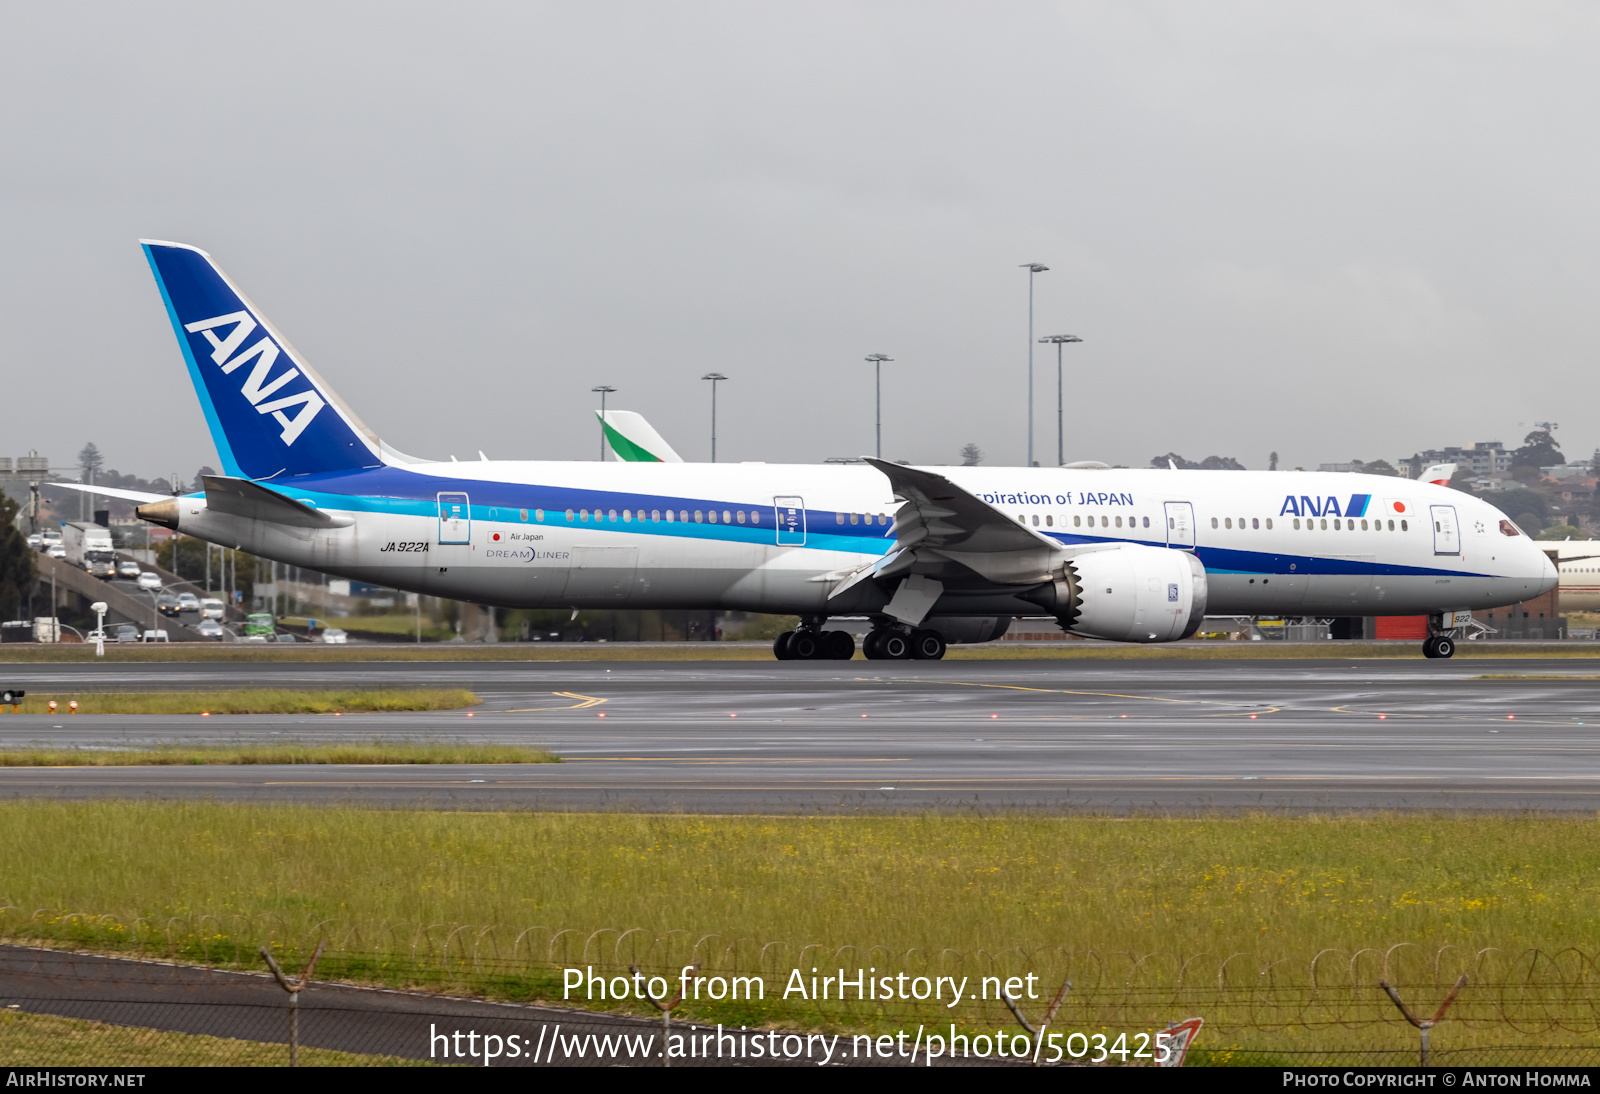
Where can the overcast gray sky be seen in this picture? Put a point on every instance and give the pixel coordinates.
(1338, 230)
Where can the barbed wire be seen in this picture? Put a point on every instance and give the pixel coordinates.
(1312, 1007)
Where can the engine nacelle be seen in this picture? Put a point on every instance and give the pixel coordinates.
(1131, 593)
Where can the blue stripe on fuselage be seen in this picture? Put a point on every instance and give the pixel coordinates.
(409, 493)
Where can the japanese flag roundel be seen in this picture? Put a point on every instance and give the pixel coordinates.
(1398, 506)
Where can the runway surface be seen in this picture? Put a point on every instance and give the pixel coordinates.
(797, 737)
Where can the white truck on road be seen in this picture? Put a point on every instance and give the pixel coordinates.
(89, 546)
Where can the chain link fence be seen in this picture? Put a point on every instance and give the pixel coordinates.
(456, 994)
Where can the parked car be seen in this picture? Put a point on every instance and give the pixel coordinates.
(128, 568)
(155, 636)
(188, 602)
(150, 580)
(210, 628)
(124, 632)
(333, 636)
(56, 551)
(212, 608)
(36, 541)
(167, 605)
(285, 637)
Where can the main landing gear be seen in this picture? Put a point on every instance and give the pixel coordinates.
(811, 643)
(814, 644)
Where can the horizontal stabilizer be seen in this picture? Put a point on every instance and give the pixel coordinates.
(125, 495)
(243, 498)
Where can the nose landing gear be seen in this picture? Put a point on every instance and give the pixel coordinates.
(1439, 645)
(1445, 630)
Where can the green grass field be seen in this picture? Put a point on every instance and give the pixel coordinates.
(1276, 929)
(281, 752)
(250, 701)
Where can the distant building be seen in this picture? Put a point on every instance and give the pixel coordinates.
(1483, 458)
(16, 476)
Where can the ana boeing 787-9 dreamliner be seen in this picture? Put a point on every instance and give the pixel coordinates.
(931, 555)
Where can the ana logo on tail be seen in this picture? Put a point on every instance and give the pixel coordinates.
(226, 353)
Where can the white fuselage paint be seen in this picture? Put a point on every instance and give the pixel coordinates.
(1244, 531)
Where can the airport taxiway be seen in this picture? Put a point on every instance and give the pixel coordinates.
(751, 737)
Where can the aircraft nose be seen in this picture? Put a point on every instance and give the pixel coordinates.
(1549, 577)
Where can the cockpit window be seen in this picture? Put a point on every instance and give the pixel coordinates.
(1509, 529)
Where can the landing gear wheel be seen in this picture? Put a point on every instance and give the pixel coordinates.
(841, 645)
(871, 647)
(1444, 647)
(780, 646)
(805, 646)
(927, 645)
(894, 646)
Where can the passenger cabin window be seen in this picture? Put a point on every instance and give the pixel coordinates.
(1213, 522)
(699, 516)
(711, 517)
(1077, 522)
(1049, 521)
(1269, 524)
(727, 517)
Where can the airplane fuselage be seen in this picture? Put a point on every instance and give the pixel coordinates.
(767, 537)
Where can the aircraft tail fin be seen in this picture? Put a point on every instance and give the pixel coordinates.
(634, 440)
(270, 414)
(1439, 474)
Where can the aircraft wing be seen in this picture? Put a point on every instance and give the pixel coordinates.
(946, 535)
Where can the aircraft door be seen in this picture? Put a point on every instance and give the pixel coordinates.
(791, 521)
(1446, 533)
(455, 518)
(1180, 525)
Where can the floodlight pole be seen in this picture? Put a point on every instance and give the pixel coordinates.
(1059, 340)
(715, 378)
(877, 360)
(604, 390)
(1032, 268)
